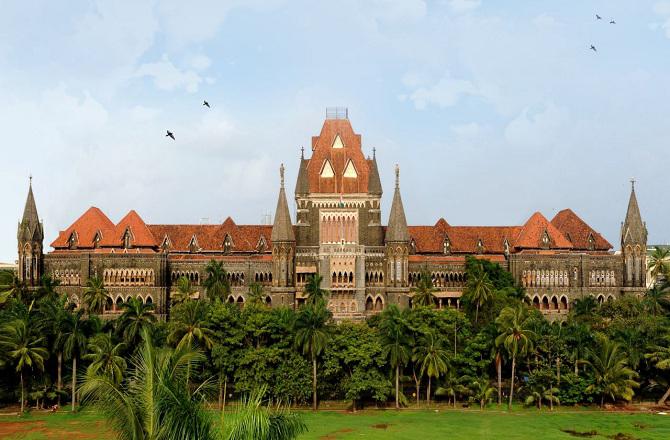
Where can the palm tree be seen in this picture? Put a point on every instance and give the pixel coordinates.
(450, 386)
(540, 393)
(514, 335)
(24, 348)
(315, 293)
(584, 307)
(424, 292)
(217, 283)
(136, 317)
(482, 391)
(479, 290)
(613, 378)
(183, 292)
(153, 402)
(432, 357)
(48, 287)
(95, 295)
(11, 286)
(659, 263)
(52, 321)
(660, 356)
(189, 324)
(395, 342)
(73, 340)
(255, 295)
(656, 300)
(254, 420)
(105, 357)
(311, 336)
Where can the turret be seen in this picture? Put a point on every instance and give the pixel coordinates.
(397, 240)
(634, 244)
(30, 236)
(283, 241)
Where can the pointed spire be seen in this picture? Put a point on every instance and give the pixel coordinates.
(302, 184)
(634, 229)
(282, 229)
(374, 183)
(397, 226)
(30, 227)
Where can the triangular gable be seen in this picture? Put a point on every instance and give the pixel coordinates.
(337, 143)
(350, 170)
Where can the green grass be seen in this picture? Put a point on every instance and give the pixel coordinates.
(406, 424)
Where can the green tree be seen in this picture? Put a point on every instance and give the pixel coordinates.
(539, 393)
(432, 357)
(515, 337)
(311, 336)
(52, 320)
(396, 342)
(217, 283)
(660, 356)
(12, 286)
(135, 318)
(48, 287)
(24, 348)
(73, 340)
(482, 391)
(656, 300)
(153, 402)
(659, 262)
(183, 292)
(424, 292)
(256, 421)
(613, 377)
(189, 324)
(105, 358)
(95, 295)
(315, 294)
(479, 290)
(255, 295)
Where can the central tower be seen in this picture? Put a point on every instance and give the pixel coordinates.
(338, 225)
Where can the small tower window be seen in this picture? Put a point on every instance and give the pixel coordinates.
(227, 244)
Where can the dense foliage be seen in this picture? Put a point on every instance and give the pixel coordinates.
(495, 349)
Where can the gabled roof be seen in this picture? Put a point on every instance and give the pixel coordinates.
(531, 235)
(140, 233)
(577, 231)
(86, 226)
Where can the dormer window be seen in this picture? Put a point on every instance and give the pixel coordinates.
(96, 240)
(72, 241)
(446, 246)
(193, 245)
(480, 246)
(546, 239)
(127, 237)
(227, 245)
(506, 248)
(262, 244)
(412, 245)
(591, 242)
(166, 244)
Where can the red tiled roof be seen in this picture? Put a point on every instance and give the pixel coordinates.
(338, 157)
(141, 236)
(577, 231)
(532, 233)
(85, 228)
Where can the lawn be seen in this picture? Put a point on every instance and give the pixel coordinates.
(424, 425)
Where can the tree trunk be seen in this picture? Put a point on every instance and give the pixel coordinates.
(511, 387)
(428, 393)
(664, 397)
(455, 333)
(314, 382)
(558, 370)
(454, 394)
(22, 392)
(499, 371)
(417, 382)
(397, 386)
(220, 394)
(602, 400)
(59, 383)
(476, 313)
(74, 381)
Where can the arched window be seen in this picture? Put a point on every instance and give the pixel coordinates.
(368, 304)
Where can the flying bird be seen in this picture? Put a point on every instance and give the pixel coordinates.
(170, 134)
(205, 103)
(612, 21)
(598, 17)
(593, 48)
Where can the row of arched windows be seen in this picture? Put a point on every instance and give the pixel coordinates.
(546, 303)
(192, 275)
(440, 279)
(236, 278)
(66, 277)
(342, 279)
(128, 277)
(374, 278)
(376, 304)
(545, 278)
(339, 227)
(342, 307)
(263, 277)
(602, 278)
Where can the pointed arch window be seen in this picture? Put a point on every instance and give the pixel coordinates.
(480, 246)
(166, 243)
(227, 244)
(350, 170)
(545, 238)
(327, 170)
(127, 238)
(506, 247)
(73, 240)
(193, 245)
(337, 143)
(96, 240)
(446, 246)
(591, 242)
(262, 244)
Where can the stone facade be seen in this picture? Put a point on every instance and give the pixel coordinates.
(338, 234)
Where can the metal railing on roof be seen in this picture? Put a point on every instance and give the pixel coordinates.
(337, 113)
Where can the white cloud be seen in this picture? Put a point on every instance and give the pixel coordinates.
(464, 5)
(142, 114)
(167, 76)
(537, 126)
(445, 93)
(392, 11)
(544, 21)
(466, 131)
(201, 62)
(662, 9)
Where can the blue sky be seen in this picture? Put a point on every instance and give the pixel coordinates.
(494, 110)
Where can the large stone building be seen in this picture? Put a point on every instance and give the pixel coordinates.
(338, 233)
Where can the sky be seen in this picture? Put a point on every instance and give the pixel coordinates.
(492, 109)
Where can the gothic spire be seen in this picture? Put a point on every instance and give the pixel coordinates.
(30, 227)
(282, 230)
(633, 229)
(374, 183)
(302, 184)
(397, 226)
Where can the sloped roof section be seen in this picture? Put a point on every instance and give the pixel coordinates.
(86, 226)
(397, 231)
(374, 182)
(532, 235)
(577, 231)
(141, 235)
(30, 227)
(633, 230)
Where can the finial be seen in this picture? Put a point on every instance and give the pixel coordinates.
(374, 153)
(632, 183)
(302, 152)
(30, 178)
(281, 173)
(397, 176)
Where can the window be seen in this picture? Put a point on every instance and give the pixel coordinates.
(327, 170)
(337, 143)
(350, 171)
